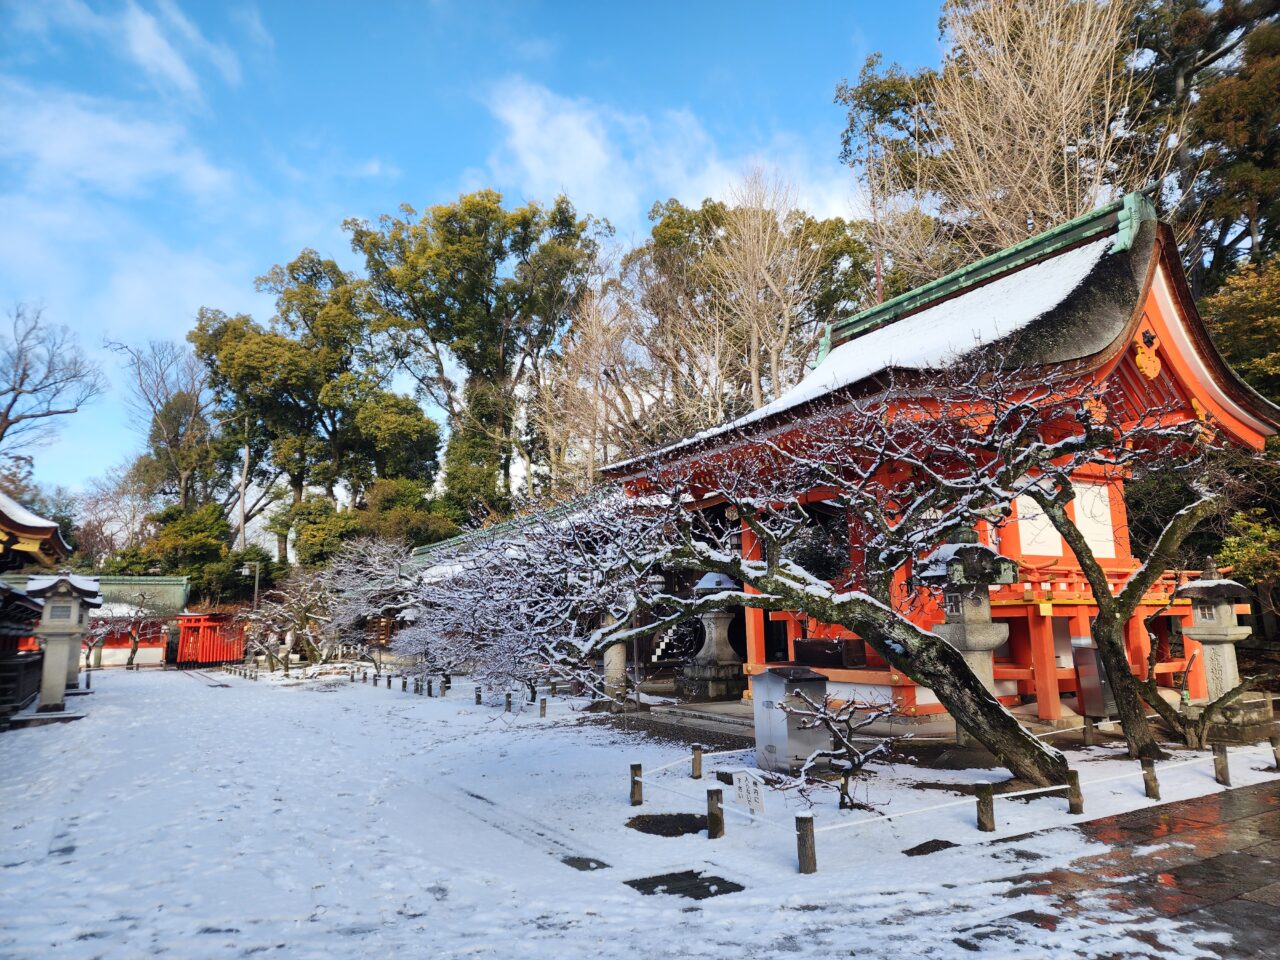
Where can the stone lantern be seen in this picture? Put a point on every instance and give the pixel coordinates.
(965, 569)
(715, 673)
(1213, 624)
(67, 600)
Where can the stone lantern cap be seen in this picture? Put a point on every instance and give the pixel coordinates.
(1210, 587)
(86, 589)
(967, 564)
(715, 583)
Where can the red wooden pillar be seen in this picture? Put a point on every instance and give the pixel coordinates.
(755, 618)
(1137, 645)
(1044, 662)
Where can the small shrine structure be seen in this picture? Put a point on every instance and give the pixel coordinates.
(1102, 296)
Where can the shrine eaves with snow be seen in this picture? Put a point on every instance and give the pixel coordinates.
(1103, 296)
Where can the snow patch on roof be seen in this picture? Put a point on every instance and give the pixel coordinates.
(22, 516)
(937, 335)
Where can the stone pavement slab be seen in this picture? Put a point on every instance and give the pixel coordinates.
(1213, 862)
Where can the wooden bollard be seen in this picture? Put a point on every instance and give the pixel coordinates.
(1275, 750)
(542, 707)
(388, 681)
(1221, 772)
(806, 848)
(477, 696)
(1149, 781)
(353, 676)
(431, 684)
(715, 814)
(553, 688)
(1075, 799)
(404, 684)
(696, 772)
(637, 788)
(1090, 732)
(444, 686)
(986, 795)
(364, 677)
(508, 703)
(88, 679)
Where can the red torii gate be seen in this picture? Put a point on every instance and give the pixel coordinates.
(209, 638)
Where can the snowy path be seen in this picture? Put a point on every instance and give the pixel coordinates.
(187, 820)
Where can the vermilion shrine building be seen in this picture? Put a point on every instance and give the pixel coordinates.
(1103, 296)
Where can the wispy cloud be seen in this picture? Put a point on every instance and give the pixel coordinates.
(56, 141)
(160, 39)
(615, 163)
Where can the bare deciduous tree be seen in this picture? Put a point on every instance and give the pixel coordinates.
(1029, 123)
(43, 374)
(765, 271)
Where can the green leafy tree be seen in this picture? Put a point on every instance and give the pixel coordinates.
(1210, 72)
(400, 509)
(318, 528)
(487, 289)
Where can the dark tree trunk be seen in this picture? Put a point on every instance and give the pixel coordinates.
(1108, 634)
(934, 663)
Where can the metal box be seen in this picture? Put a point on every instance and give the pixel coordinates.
(1095, 698)
(782, 745)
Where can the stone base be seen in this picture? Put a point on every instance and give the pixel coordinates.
(711, 681)
(1246, 719)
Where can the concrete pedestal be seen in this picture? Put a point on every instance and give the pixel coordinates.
(73, 666)
(54, 671)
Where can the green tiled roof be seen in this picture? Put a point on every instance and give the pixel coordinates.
(1122, 217)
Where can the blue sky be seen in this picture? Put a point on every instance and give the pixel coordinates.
(156, 156)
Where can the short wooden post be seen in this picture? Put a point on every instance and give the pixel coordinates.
(1149, 781)
(542, 707)
(404, 684)
(1275, 750)
(88, 679)
(637, 788)
(553, 688)
(508, 703)
(364, 677)
(1090, 732)
(1075, 799)
(353, 677)
(477, 696)
(697, 762)
(986, 807)
(388, 681)
(715, 814)
(444, 686)
(430, 687)
(806, 849)
(1221, 772)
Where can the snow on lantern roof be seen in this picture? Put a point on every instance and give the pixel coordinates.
(967, 564)
(1214, 589)
(715, 583)
(86, 588)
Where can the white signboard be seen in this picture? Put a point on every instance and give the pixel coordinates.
(748, 791)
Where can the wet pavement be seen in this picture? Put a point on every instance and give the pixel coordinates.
(1212, 863)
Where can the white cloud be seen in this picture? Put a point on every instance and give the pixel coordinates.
(57, 141)
(166, 46)
(616, 164)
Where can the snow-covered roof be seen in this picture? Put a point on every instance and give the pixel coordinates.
(935, 336)
(87, 587)
(23, 517)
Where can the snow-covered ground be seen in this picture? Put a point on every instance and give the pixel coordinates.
(187, 820)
